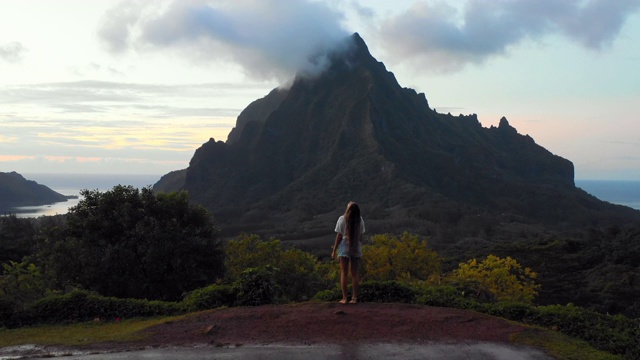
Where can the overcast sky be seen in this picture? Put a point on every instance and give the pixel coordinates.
(136, 86)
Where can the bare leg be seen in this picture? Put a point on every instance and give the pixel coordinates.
(355, 277)
(344, 272)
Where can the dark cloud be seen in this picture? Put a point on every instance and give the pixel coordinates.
(12, 52)
(268, 38)
(447, 38)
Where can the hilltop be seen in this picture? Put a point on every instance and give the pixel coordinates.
(16, 191)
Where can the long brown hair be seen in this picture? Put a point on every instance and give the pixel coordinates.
(352, 219)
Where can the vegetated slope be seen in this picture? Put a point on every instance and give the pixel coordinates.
(15, 190)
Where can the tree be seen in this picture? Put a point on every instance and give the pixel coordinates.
(406, 258)
(133, 243)
(16, 238)
(503, 277)
(21, 283)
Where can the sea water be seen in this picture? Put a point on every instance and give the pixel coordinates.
(72, 184)
(619, 192)
(625, 193)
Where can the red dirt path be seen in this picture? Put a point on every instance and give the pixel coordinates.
(331, 323)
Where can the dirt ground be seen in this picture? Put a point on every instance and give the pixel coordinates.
(330, 323)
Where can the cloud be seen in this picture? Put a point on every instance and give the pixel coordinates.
(448, 38)
(12, 52)
(268, 38)
(363, 11)
(154, 100)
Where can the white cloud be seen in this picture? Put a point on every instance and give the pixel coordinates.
(12, 52)
(447, 38)
(270, 39)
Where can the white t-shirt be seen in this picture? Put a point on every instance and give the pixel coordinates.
(341, 228)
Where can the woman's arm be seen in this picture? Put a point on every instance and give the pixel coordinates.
(335, 245)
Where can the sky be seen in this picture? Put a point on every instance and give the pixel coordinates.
(135, 87)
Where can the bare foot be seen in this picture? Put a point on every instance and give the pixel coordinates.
(353, 301)
(343, 301)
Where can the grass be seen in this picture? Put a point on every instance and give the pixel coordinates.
(560, 346)
(82, 333)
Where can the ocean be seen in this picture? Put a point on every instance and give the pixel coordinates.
(625, 193)
(72, 184)
(619, 192)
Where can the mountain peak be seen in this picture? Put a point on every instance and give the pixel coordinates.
(353, 133)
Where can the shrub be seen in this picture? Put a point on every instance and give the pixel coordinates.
(445, 296)
(298, 277)
(616, 334)
(6, 313)
(210, 297)
(334, 294)
(256, 286)
(512, 310)
(505, 278)
(406, 258)
(80, 305)
(374, 291)
(386, 292)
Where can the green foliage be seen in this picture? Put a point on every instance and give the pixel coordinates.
(210, 297)
(616, 334)
(445, 296)
(374, 291)
(20, 285)
(334, 294)
(505, 278)
(21, 282)
(298, 276)
(17, 238)
(256, 286)
(386, 292)
(249, 251)
(511, 310)
(133, 243)
(80, 305)
(7, 312)
(406, 258)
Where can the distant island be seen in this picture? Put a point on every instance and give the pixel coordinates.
(16, 191)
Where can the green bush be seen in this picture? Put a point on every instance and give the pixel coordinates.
(334, 294)
(512, 310)
(298, 277)
(616, 334)
(6, 313)
(386, 292)
(210, 297)
(80, 305)
(445, 296)
(256, 286)
(374, 291)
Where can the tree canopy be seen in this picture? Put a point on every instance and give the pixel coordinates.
(133, 243)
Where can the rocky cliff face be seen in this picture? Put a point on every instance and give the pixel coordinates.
(354, 133)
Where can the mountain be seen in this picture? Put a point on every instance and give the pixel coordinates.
(15, 191)
(298, 155)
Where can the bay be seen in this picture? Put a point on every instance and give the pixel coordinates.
(619, 192)
(72, 184)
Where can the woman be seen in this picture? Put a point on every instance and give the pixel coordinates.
(348, 248)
